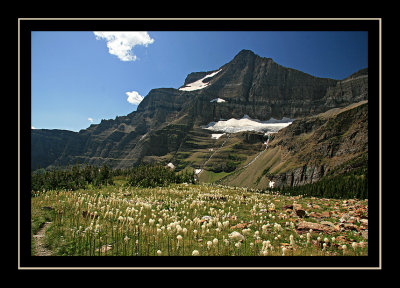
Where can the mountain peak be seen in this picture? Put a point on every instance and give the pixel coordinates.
(245, 53)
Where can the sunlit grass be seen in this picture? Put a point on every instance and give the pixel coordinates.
(182, 219)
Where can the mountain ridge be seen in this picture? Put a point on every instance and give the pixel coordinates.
(164, 126)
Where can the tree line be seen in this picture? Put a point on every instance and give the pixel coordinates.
(346, 186)
(71, 177)
(81, 176)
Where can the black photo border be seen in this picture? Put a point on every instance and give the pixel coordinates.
(372, 25)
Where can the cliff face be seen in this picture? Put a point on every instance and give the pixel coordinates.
(339, 139)
(330, 143)
(262, 89)
(249, 84)
(48, 145)
(352, 89)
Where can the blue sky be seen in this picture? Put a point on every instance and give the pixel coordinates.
(79, 78)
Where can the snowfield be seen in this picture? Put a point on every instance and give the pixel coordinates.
(218, 100)
(216, 136)
(199, 84)
(247, 124)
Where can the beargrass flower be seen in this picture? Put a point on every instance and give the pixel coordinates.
(246, 231)
(236, 236)
(291, 238)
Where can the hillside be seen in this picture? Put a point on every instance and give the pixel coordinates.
(330, 143)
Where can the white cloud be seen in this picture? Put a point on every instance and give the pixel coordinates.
(90, 120)
(33, 127)
(121, 43)
(134, 97)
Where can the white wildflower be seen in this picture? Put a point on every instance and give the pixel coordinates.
(236, 236)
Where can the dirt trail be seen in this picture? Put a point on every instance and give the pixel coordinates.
(40, 249)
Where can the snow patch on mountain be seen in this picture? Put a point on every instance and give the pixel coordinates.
(199, 84)
(218, 100)
(247, 124)
(216, 136)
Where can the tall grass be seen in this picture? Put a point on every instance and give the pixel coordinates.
(179, 220)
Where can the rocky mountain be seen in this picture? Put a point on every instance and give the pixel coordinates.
(48, 145)
(167, 125)
(329, 143)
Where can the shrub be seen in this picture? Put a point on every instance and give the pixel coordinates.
(157, 175)
(70, 178)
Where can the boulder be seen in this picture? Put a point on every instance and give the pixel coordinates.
(314, 215)
(348, 226)
(364, 222)
(240, 226)
(300, 212)
(298, 209)
(304, 227)
(326, 214)
(330, 224)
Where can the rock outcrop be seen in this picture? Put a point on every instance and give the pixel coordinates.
(327, 144)
(324, 143)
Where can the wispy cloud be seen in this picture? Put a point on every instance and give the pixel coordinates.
(90, 120)
(134, 97)
(121, 43)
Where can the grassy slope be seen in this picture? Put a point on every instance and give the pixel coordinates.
(198, 147)
(280, 158)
